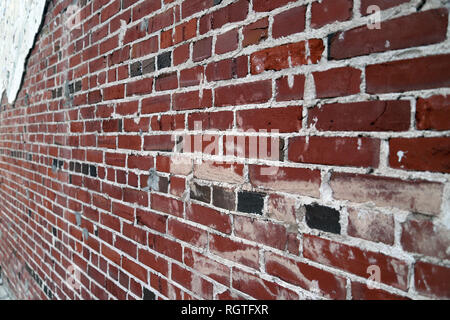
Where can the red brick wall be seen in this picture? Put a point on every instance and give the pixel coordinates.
(336, 136)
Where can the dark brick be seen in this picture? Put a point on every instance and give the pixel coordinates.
(163, 184)
(323, 218)
(200, 193)
(164, 60)
(250, 202)
(136, 69)
(93, 171)
(224, 198)
(148, 295)
(78, 167)
(148, 66)
(78, 86)
(72, 166)
(85, 168)
(71, 88)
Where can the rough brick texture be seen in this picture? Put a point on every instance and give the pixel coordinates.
(200, 149)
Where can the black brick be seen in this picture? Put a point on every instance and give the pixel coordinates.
(93, 171)
(164, 60)
(323, 218)
(251, 202)
(148, 295)
(85, 168)
(78, 86)
(163, 184)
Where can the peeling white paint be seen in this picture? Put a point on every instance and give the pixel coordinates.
(400, 155)
(19, 22)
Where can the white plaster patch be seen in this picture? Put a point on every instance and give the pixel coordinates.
(19, 22)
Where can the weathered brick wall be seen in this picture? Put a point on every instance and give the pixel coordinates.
(97, 181)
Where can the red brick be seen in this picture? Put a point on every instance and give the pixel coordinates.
(417, 196)
(130, 125)
(168, 81)
(290, 87)
(273, 119)
(422, 28)
(292, 180)
(94, 97)
(192, 100)
(282, 208)
(191, 77)
(191, 7)
(306, 276)
(262, 232)
(153, 261)
(340, 151)
(202, 49)
(165, 246)
(382, 4)
(151, 220)
(255, 32)
(167, 205)
(289, 22)
(145, 8)
(187, 233)
(156, 104)
(129, 142)
(337, 82)
(269, 5)
(329, 11)
(424, 237)
(135, 196)
(371, 225)
(127, 108)
(286, 56)
(259, 288)
(192, 282)
(114, 92)
(207, 266)
(246, 93)
(126, 246)
(409, 154)
(185, 31)
(140, 87)
(135, 269)
(209, 217)
(180, 54)
(159, 143)
(145, 47)
(394, 272)
(432, 113)
(361, 291)
(235, 12)
(161, 21)
(123, 211)
(408, 75)
(235, 251)
(222, 120)
(231, 173)
(111, 254)
(177, 186)
(361, 116)
(430, 280)
(227, 42)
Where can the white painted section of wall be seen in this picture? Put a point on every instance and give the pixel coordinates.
(19, 23)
